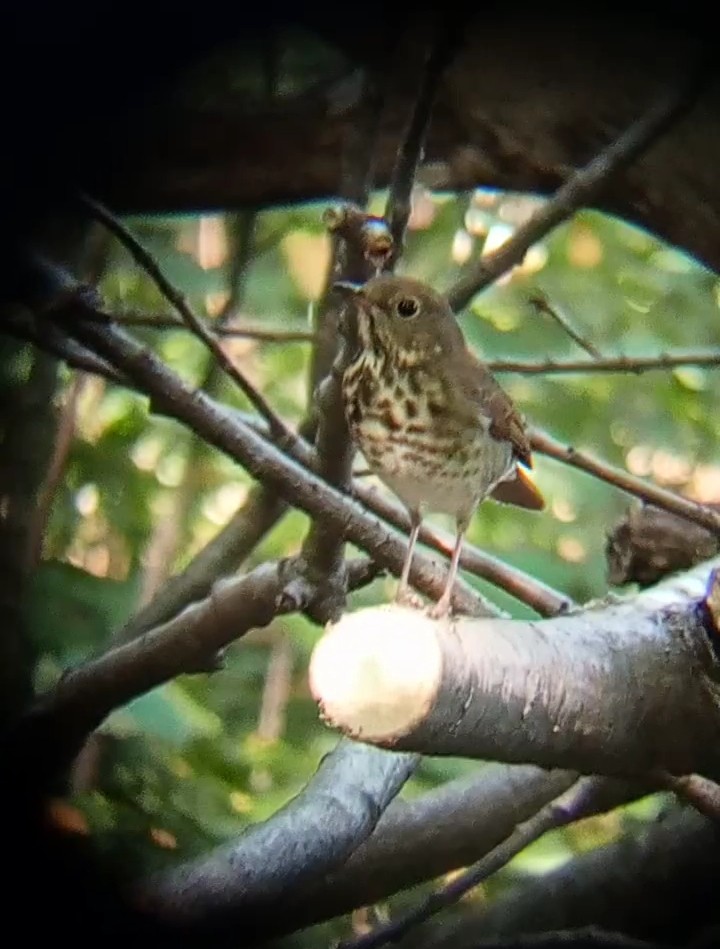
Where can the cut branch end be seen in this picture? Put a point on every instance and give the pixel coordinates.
(375, 674)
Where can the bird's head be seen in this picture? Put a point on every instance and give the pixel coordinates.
(402, 316)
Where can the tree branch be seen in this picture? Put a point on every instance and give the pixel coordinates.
(160, 321)
(583, 186)
(61, 719)
(414, 840)
(674, 503)
(148, 263)
(309, 837)
(548, 692)
(542, 305)
(657, 882)
(636, 364)
(222, 555)
(447, 36)
(701, 793)
(51, 340)
(583, 798)
(647, 544)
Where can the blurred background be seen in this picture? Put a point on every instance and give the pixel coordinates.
(136, 497)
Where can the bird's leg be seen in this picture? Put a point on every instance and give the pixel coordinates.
(442, 607)
(403, 594)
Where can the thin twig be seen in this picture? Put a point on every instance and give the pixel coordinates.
(580, 800)
(145, 260)
(697, 513)
(633, 364)
(543, 305)
(399, 202)
(584, 185)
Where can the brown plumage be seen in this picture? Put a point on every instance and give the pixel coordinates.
(427, 415)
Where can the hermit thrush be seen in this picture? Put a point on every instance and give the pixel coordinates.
(428, 416)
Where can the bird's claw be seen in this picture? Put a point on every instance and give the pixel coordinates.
(409, 598)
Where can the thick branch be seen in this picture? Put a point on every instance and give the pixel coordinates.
(312, 835)
(557, 692)
(415, 840)
(63, 717)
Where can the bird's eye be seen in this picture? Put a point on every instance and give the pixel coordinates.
(407, 307)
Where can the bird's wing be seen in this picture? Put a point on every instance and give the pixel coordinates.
(479, 387)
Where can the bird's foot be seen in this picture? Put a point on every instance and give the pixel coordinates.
(409, 598)
(441, 609)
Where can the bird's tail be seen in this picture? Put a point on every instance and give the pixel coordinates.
(519, 490)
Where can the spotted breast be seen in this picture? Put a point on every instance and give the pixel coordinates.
(401, 416)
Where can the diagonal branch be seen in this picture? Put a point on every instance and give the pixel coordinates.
(586, 797)
(61, 719)
(219, 427)
(309, 837)
(542, 305)
(145, 259)
(51, 340)
(160, 380)
(220, 557)
(584, 186)
(448, 35)
(656, 883)
(415, 840)
(697, 513)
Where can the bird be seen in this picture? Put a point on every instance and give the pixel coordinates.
(428, 416)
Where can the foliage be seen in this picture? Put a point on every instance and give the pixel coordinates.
(191, 764)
